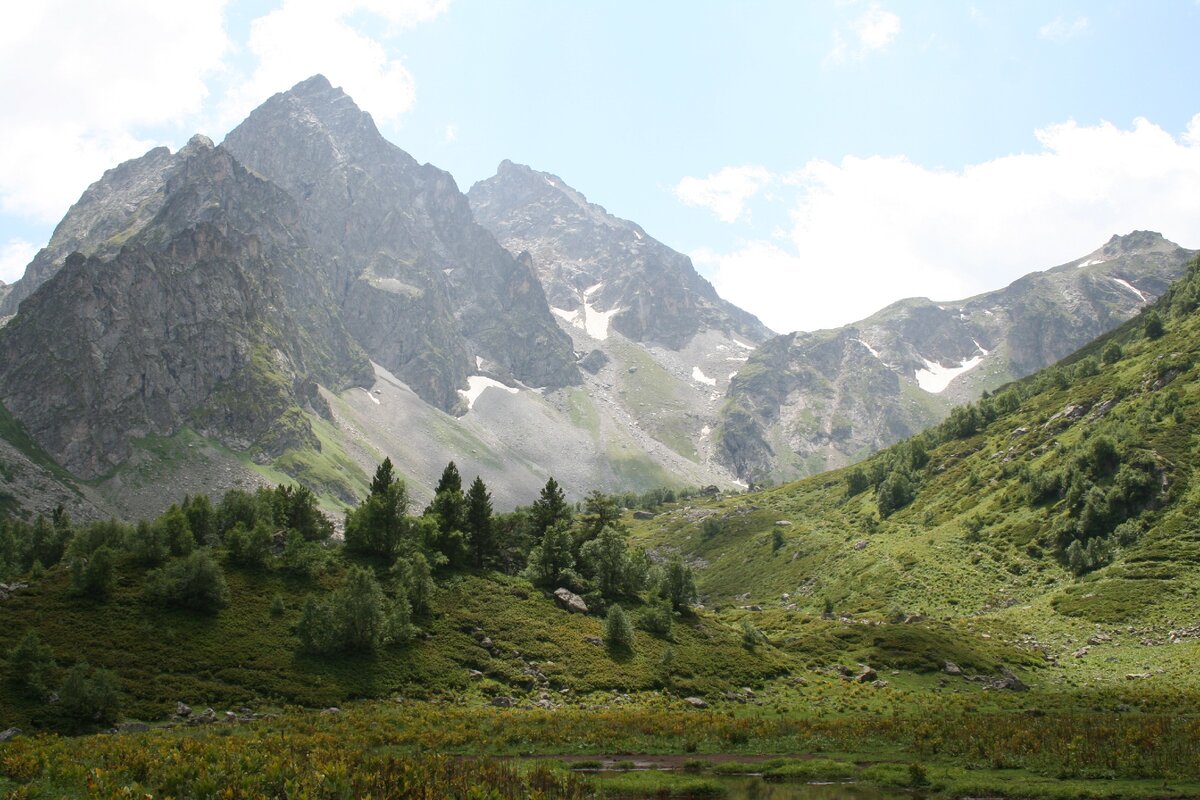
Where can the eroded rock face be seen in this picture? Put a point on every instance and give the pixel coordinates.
(806, 402)
(584, 255)
(424, 288)
(213, 314)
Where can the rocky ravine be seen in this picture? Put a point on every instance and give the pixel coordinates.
(806, 402)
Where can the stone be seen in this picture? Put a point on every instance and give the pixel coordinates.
(643, 515)
(474, 674)
(594, 361)
(696, 702)
(861, 544)
(1080, 653)
(182, 710)
(132, 727)
(570, 601)
(950, 668)
(9, 733)
(783, 523)
(332, 710)
(596, 640)
(503, 701)
(866, 674)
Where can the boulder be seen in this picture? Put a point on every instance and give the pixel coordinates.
(643, 514)
(695, 702)
(182, 710)
(593, 362)
(570, 601)
(10, 733)
(866, 674)
(503, 701)
(950, 668)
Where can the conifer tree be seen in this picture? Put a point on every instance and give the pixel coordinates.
(479, 523)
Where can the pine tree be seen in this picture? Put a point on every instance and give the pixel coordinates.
(550, 509)
(377, 526)
(479, 523)
(551, 564)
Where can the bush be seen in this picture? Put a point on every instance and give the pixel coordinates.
(30, 665)
(678, 585)
(357, 617)
(249, 547)
(93, 576)
(90, 694)
(195, 582)
(618, 633)
(657, 620)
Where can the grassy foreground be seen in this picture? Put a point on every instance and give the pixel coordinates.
(429, 750)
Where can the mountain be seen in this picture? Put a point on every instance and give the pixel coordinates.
(599, 268)
(426, 291)
(297, 303)
(657, 344)
(806, 402)
(213, 314)
(1056, 515)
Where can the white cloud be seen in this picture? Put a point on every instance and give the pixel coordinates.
(873, 30)
(15, 255)
(868, 231)
(303, 37)
(450, 135)
(77, 78)
(1061, 29)
(724, 193)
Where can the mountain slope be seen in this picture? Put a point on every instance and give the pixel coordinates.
(212, 315)
(657, 344)
(806, 402)
(1067, 497)
(425, 290)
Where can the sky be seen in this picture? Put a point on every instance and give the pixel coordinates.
(817, 160)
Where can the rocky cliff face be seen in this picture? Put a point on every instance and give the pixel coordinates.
(806, 402)
(214, 314)
(112, 209)
(599, 267)
(429, 293)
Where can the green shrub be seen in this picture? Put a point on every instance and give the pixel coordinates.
(618, 633)
(195, 582)
(90, 694)
(30, 665)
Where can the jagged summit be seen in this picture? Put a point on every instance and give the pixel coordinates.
(425, 289)
(588, 258)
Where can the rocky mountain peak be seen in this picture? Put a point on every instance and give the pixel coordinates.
(597, 264)
(1134, 243)
(425, 289)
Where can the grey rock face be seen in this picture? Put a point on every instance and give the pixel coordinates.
(583, 254)
(213, 314)
(424, 288)
(806, 402)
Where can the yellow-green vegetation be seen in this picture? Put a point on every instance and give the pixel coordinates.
(1004, 606)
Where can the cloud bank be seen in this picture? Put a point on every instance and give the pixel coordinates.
(868, 231)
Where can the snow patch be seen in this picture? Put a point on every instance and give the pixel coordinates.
(478, 362)
(935, 378)
(743, 345)
(705, 431)
(596, 322)
(979, 347)
(374, 399)
(870, 349)
(591, 290)
(572, 317)
(638, 235)
(477, 384)
(733, 375)
(699, 376)
(1092, 262)
(1132, 288)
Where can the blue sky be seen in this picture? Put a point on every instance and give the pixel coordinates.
(817, 160)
